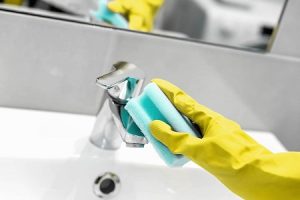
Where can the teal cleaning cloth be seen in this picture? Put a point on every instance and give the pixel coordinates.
(104, 14)
(151, 105)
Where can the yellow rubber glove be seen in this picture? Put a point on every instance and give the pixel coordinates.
(244, 166)
(140, 13)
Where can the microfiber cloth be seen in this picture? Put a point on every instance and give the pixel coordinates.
(104, 14)
(151, 105)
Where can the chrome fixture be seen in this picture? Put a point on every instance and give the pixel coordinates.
(120, 85)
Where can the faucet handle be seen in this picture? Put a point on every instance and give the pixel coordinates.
(122, 71)
(124, 83)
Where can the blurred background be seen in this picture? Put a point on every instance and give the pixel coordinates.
(239, 23)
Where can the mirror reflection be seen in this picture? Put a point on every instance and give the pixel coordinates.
(238, 23)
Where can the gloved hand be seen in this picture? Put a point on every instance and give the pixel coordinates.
(244, 166)
(140, 13)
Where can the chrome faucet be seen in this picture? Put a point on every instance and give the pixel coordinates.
(120, 85)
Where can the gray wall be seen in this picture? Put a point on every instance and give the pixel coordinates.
(52, 65)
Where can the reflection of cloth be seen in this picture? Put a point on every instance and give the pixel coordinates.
(105, 14)
(79, 7)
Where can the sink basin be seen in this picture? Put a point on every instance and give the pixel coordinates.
(45, 155)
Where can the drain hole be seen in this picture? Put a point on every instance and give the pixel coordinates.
(107, 186)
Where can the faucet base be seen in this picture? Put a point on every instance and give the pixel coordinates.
(135, 145)
(105, 134)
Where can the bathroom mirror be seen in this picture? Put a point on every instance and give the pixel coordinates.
(247, 24)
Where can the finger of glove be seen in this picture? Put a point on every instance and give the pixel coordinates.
(199, 114)
(136, 22)
(177, 143)
(117, 7)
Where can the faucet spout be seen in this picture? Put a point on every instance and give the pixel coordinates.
(120, 85)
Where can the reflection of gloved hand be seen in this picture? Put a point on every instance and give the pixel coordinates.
(13, 2)
(244, 166)
(140, 13)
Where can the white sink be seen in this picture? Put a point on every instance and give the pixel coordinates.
(45, 155)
